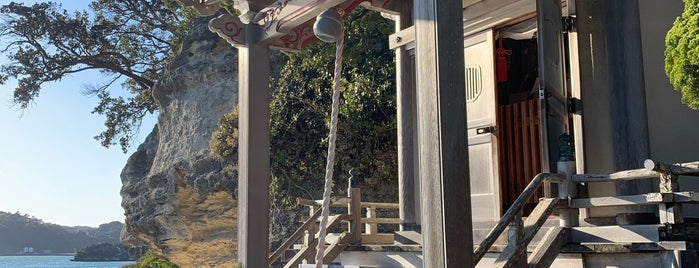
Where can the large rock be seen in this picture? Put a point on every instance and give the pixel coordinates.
(177, 197)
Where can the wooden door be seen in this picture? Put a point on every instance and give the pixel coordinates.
(482, 143)
(552, 90)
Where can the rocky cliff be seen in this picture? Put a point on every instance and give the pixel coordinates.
(177, 198)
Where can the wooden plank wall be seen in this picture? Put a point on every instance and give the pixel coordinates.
(519, 154)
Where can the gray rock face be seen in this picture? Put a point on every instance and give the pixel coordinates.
(177, 197)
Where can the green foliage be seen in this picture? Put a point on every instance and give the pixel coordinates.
(104, 252)
(300, 113)
(224, 140)
(682, 54)
(229, 5)
(151, 261)
(128, 41)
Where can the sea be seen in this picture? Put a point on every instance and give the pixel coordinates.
(54, 262)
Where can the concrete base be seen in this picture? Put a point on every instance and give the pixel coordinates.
(414, 260)
(328, 266)
(564, 260)
(366, 259)
(632, 260)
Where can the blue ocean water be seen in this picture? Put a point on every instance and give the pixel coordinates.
(53, 262)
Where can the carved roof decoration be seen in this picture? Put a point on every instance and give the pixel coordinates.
(205, 7)
(287, 24)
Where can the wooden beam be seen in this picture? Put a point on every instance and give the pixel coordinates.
(689, 169)
(641, 199)
(628, 247)
(531, 226)
(283, 16)
(289, 25)
(616, 234)
(613, 96)
(405, 102)
(294, 237)
(444, 172)
(404, 37)
(627, 200)
(635, 174)
(549, 247)
(253, 151)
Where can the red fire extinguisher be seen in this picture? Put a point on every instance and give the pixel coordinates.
(501, 53)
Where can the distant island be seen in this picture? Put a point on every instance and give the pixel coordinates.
(22, 234)
(104, 252)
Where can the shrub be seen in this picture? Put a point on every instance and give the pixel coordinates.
(682, 54)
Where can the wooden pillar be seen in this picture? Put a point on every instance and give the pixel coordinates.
(354, 209)
(444, 173)
(568, 217)
(613, 98)
(515, 235)
(253, 151)
(405, 92)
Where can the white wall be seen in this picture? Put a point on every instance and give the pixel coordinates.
(672, 127)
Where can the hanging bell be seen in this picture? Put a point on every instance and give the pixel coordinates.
(328, 26)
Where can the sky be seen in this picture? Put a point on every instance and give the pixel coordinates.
(51, 167)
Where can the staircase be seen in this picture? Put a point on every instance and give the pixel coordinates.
(644, 245)
(649, 245)
(338, 237)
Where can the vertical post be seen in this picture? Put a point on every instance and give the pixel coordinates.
(568, 190)
(668, 259)
(354, 209)
(613, 96)
(371, 228)
(253, 151)
(670, 212)
(515, 234)
(309, 236)
(444, 174)
(405, 102)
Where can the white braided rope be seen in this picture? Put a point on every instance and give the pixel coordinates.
(331, 152)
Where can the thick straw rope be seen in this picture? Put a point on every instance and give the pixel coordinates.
(331, 152)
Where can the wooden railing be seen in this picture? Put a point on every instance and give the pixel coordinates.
(518, 240)
(354, 234)
(669, 200)
(371, 220)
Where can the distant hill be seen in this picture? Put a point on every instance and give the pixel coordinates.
(18, 232)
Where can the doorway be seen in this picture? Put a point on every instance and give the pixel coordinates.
(518, 113)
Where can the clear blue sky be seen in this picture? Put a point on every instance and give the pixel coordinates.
(50, 165)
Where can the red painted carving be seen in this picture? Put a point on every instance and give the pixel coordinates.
(302, 36)
(297, 13)
(299, 37)
(229, 28)
(232, 30)
(269, 15)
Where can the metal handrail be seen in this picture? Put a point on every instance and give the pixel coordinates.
(513, 211)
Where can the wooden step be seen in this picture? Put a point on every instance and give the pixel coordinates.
(546, 252)
(531, 226)
(333, 250)
(306, 252)
(616, 234)
(631, 200)
(630, 247)
(408, 238)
